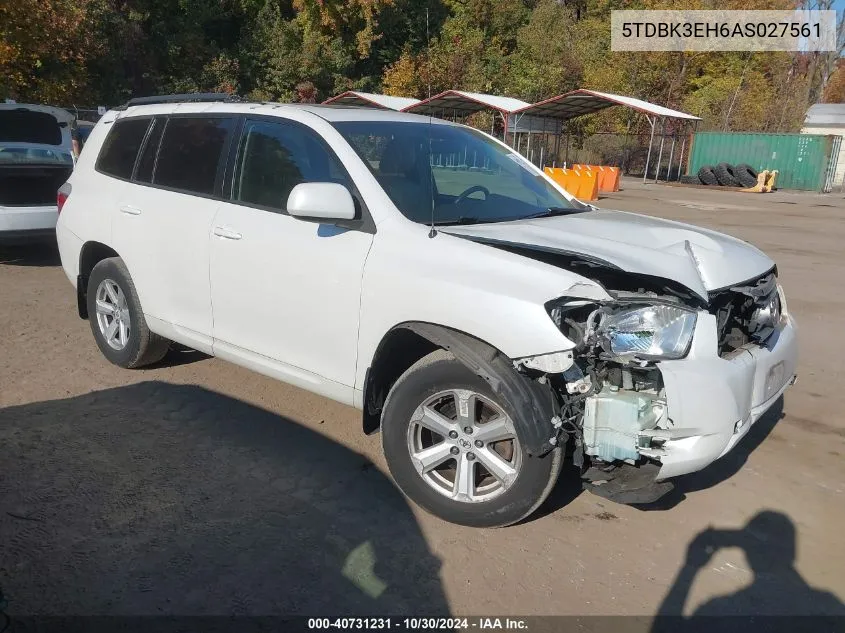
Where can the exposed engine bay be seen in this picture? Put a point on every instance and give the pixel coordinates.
(609, 403)
(746, 313)
(612, 398)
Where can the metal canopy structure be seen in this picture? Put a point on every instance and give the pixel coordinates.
(370, 100)
(466, 103)
(522, 119)
(580, 102)
(459, 103)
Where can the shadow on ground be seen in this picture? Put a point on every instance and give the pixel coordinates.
(769, 542)
(37, 254)
(179, 355)
(171, 499)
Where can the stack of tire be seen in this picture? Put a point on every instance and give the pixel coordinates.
(724, 175)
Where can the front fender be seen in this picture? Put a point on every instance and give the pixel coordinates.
(493, 295)
(534, 402)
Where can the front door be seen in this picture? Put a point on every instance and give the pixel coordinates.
(282, 288)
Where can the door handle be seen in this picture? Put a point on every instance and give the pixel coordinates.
(226, 233)
(130, 210)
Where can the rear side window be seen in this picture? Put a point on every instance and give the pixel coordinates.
(275, 157)
(190, 153)
(120, 149)
(146, 163)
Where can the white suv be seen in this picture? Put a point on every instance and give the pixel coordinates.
(425, 273)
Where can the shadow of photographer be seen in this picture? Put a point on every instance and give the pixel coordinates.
(769, 542)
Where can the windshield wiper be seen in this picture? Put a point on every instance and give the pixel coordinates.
(554, 211)
(462, 220)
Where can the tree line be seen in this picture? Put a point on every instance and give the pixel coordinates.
(92, 52)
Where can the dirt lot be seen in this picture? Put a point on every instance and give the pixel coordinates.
(197, 487)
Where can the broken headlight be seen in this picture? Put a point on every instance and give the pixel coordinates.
(657, 331)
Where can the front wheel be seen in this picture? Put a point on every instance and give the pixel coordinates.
(453, 447)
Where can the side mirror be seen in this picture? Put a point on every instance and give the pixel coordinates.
(321, 201)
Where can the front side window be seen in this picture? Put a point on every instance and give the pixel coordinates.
(120, 149)
(275, 157)
(190, 153)
(456, 174)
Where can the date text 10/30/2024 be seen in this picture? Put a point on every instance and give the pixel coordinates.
(417, 624)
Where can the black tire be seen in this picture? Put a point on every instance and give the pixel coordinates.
(690, 180)
(440, 371)
(725, 175)
(707, 176)
(746, 175)
(142, 347)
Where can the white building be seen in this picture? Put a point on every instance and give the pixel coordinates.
(828, 118)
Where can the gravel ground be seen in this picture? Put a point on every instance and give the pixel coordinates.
(197, 487)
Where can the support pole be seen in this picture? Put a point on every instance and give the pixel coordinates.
(681, 159)
(505, 119)
(557, 144)
(566, 156)
(671, 154)
(650, 143)
(660, 154)
(543, 145)
(505, 129)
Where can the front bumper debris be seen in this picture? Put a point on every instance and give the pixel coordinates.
(624, 483)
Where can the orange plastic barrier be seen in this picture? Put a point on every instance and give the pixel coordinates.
(608, 176)
(583, 184)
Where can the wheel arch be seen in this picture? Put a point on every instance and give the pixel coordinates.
(406, 343)
(90, 255)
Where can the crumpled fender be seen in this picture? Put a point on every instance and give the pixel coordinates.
(535, 402)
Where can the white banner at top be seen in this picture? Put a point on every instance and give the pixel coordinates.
(723, 30)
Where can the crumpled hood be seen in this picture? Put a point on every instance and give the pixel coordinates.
(700, 259)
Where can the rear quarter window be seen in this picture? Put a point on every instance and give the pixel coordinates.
(190, 153)
(120, 149)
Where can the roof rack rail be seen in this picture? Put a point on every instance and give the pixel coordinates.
(190, 97)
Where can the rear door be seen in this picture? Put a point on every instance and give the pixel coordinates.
(163, 221)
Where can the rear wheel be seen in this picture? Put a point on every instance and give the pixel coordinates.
(454, 447)
(117, 320)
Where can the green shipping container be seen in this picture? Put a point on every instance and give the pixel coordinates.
(801, 159)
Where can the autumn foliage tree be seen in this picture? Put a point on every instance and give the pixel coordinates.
(44, 48)
(105, 51)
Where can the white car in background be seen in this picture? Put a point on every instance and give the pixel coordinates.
(428, 275)
(35, 160)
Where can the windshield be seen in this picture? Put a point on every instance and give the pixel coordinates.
(31, 155)
(465, 176)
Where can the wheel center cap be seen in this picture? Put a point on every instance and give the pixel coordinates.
(464, 443)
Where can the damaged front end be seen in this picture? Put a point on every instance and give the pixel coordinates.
(613, 404)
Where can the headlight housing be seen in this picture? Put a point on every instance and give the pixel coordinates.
(659, 331)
